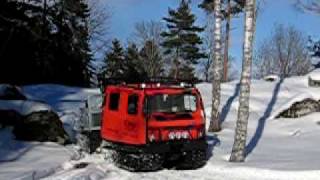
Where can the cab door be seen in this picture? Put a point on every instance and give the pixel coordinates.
(134, 125)
(113, 115)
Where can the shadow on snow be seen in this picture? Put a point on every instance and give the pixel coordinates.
(227, 106)
(262, 121)
(212, 141)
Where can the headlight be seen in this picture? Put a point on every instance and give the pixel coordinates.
(152, 137)
(185, 135)
(178, 135)
(171, 135)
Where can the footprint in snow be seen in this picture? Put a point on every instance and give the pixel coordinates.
(296, 133)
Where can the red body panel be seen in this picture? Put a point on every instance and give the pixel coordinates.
(119, 126)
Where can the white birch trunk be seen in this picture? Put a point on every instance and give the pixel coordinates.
(217, 69)
(239, 147)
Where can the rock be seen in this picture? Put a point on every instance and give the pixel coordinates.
(271, 78)
(41, 126)
(313, 82)
(301, 108)
(9, 118)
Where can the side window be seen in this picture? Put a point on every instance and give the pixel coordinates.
(133, 104)
(114, 101)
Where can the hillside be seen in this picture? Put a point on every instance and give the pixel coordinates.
(277, 148)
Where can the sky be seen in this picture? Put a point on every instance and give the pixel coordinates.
(125, 13)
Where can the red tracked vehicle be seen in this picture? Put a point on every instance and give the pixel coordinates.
(150, 124)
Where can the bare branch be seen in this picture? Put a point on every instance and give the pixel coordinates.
(312, 6)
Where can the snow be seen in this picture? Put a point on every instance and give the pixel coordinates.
(29, 160)
(277, 148)
(24, 107)
(315, 75)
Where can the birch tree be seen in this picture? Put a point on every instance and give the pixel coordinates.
(229, 10)
(217, 69)
(238, 151)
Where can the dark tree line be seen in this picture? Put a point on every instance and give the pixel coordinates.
(172, 52)
(44, 42)
(132, 63)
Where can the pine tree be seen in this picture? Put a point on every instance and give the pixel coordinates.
(46, 41)
(239, 147)
(23, 42)
(315, 51)
(115, 65)
(314, 47)
(72, 41)
(152, 60)
(134, 66)
(181, 41)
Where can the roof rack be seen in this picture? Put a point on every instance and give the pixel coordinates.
(151, 82)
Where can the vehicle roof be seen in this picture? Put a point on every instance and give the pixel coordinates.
(152, 89)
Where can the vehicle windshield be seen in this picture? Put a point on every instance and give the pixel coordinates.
(171, 103)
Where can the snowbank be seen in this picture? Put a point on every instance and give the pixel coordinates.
(25, 160)
(23, 107)
(66, 101)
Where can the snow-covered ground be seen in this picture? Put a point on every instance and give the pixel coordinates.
(30, 160)
(277, 148)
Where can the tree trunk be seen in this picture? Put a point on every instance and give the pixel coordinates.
(226, 44)
(176, 69)
(238, 151)
(217, 70)
(44, 16)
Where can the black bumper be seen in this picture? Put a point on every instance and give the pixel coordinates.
(162, 147)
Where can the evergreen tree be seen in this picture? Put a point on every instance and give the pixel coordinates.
(115, 65)
(22, 38)
(45, 41)
(181, 41)
(151, 59)
(134, 66)
(314, 48)
(72, 41)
